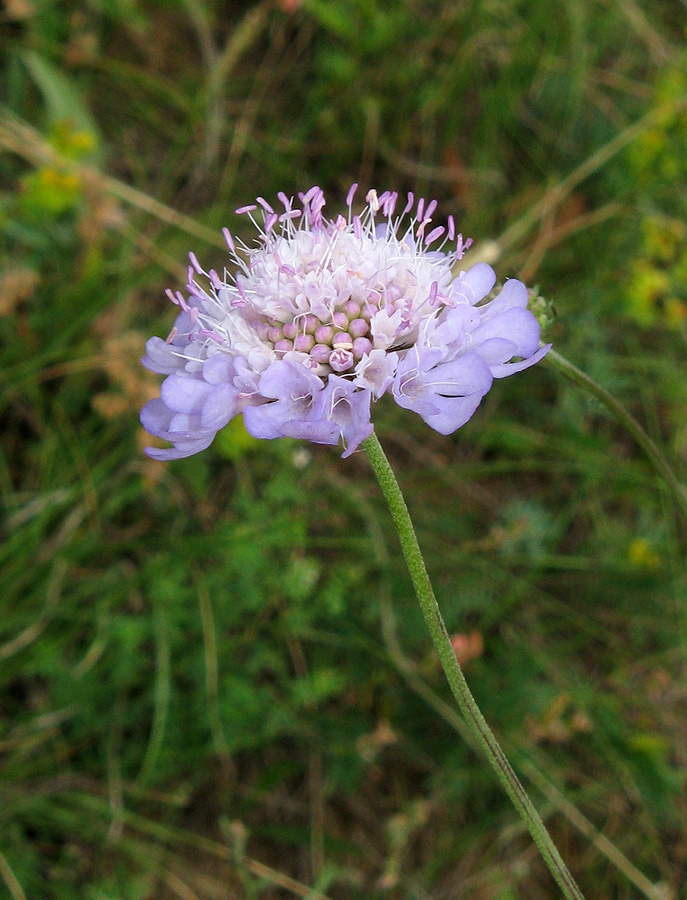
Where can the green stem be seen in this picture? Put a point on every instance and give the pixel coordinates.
(657, 459)
(459, 687)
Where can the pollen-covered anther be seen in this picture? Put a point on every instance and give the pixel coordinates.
(373, 200)
(342, 340)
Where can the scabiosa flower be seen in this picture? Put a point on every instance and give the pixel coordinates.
(322, 316)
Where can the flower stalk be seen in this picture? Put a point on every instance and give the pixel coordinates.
(454, 674)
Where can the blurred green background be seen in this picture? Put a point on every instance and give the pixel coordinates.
(214, 680)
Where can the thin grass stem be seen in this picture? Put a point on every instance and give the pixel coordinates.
(631, 425)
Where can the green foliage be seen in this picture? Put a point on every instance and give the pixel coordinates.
(657, 285)
(204, 665)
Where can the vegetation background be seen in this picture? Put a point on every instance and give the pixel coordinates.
(214, 678)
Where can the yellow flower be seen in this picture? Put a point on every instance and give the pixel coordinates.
(642, 554)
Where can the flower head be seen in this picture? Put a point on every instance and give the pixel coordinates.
(322, 316)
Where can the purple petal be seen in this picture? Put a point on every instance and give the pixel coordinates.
(461, 377)
(453, 412)
(286, 380)
(512, 368)
(457, 322)
(376, 371)
(184, 394)
(512, 295)
(318, 431)
(155, 417)
(349, 408)
(245, 379)
(474, 285)
(496, 351)
(445, 395)
(220, 407)
(263, 422)
(183, 423)
(162, 357)
(181, 450)
(195, 433)
(517, 325)
(218, 369)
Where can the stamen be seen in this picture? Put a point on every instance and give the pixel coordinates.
(229, 240)
(390, 204)
(240, 288)
(212, 335)
(265, 205)
(462, 246)
(308, 196)
(351, 194)
(291, 214)
(434, 234)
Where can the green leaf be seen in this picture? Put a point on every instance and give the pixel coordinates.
(62, 99)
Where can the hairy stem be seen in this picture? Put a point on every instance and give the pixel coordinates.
(454, 674)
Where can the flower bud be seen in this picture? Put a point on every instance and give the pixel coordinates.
(311, 323)
(320, 353)
(352, 309)
(304, 343)
(359, 328)
(341, 360)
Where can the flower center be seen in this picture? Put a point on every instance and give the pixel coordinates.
(338, 341)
